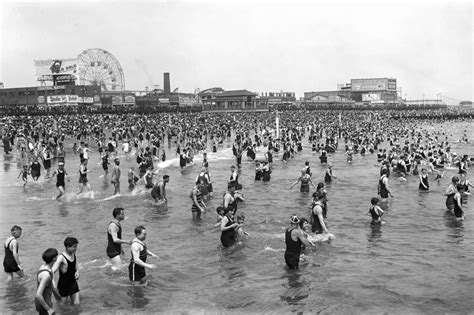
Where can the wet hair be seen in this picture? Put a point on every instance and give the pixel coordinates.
(70, 241)
(15, 228)
(220, 210)
(306, 163)
(228, 210)
(374, 201)
(139, 230)
(302, 222)
(455, 179)
(49, 255)
(241, 217)
(318, 195)
(117, 211)
(166, 176)
(320, 185)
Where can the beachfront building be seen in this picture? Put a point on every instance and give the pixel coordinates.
(466, 104)
(277, 99)
(41, 98)
(359, 92)
(216, 99)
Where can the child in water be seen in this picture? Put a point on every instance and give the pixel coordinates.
(24, 175)
(239, 230)
(375, 211)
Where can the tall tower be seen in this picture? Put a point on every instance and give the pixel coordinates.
(166, 83)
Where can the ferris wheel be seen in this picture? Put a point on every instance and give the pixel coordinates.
(98, 66)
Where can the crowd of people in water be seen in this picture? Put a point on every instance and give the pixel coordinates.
(394, 138)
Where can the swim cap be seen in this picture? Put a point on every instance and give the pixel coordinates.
(295, 219)
(61, 163)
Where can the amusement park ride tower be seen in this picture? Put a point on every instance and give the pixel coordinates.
(92, 67)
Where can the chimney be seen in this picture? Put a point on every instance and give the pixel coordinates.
(166, 82)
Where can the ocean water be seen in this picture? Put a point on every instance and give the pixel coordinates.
(419, 262)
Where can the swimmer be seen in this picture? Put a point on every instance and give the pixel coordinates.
(294, 240)
(198, 207)
(305, 227)
(116, 177)
(219, 216)
(382, 187)
(424, 184)
(114, 238)
(24, 175)
(451, 192)
(328, 176)
(60, 179)
(105, 163)
(68, 272)
(83, 181)
(158, 193)
(375, 211)
(45, 286)
(136, 268)
(317, 219)
(11, 262)
(234, 177)
(228, 228)
(305, 180)
(132, 179)
(463, 187)
(239, 230)
(202, 177)
(35, 169)
(458, 208)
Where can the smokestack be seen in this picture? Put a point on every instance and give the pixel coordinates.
(166, 82)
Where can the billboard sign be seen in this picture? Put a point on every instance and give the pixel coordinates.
(369, 84)
(72, 98)
(63, 99)
(56, 67)
(41, 99)
(392, 84)
(88, 100)
(64, 78)
(57, 99)
(371, 97)
(50, 88)
(116, 100)
(129, 99)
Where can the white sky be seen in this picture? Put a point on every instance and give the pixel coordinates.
(255, 45)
